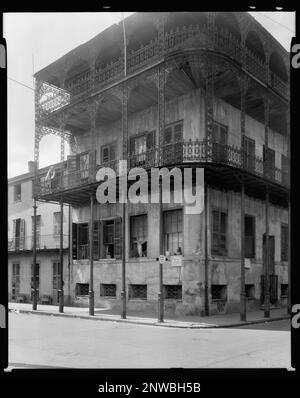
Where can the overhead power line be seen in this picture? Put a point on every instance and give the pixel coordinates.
(273, 20)
(22, 84)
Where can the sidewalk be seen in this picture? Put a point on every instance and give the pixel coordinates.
(195, 322)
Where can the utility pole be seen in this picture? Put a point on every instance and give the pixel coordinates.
(91, 233)
(61, 254)
(160, 293)
(34, 290)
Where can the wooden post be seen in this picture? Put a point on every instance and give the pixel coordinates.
(91, 239)
(61, 255)
(243, 293)
(267, 284)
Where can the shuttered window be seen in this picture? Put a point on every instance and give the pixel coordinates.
(17, 192)
(249, 153)
(112, 238)
(172, 143)
(108, 153)
(142, 149)
(219, 232)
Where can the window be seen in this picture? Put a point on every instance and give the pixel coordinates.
(249, 236)
(56, 223)
(284, 170)
(138, 292)
(172, 231)
(250, 290)
(84, 166)
(17, 192)
(82, 289)
(142, 149)
(112, 238)
(219, 231)
(108, 153)
(55, 275)
(284, 242)
(37, 279)
(219, 138)
(172, 144)
(138, 236)
(172, 292)
(284, 290)
(249, 153)
(15, 282)
(80, 241)
(108, 290)
(219, 292)
(269, 162)
(19, 234)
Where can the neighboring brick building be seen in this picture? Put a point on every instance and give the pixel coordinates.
(20, 242)
(204, 90)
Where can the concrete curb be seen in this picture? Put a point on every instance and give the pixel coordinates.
(155, 323)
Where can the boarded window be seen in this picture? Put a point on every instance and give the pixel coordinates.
(172, 292)
(284, 242)
(15, 282)
(219, 292)
(17, 192)
(172, 231)
(138, 292)
(249, 153)
(250, 291)
(284, 170)
(108, 290)
(219, 138)
(55, 275)
(249, 236)
(138, 236)
(269, 162)
(82, 289)
(284, 290)
(219, 232)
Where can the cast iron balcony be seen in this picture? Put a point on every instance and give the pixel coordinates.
(43, 242)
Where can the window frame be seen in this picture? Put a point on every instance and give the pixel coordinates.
(18, 199)
(221, 253)
(284, 252)
(130, 291)
(253, 236)
(135, 216)
(108, 146)
(176, 209)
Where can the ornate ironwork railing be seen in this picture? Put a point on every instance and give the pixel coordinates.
(188, 151)
(43, 242)
(218, 39)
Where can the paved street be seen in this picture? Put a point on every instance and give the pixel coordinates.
(81, 343)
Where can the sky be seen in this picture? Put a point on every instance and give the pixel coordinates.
(34, 40)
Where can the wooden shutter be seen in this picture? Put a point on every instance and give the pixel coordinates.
(71, 169)
(22, 234)
(118, 237)
(178, 132)
(14, 235)
(105, 155)
(150, 140)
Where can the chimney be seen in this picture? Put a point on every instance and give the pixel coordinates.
(31, 166)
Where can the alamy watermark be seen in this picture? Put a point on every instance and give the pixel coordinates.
(185, 191)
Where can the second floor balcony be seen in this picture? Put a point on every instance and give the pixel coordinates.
(196, 153)
(43, 242)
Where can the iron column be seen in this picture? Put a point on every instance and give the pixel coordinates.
(243, 293)
(61, 254)
(160, 294)
(267, 285)
(91, 233)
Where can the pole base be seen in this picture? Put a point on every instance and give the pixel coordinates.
(160, 308)
(34, 300)
(91, 302)
(61, 300)
(123, 303)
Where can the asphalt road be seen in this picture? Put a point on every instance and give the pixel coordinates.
(47, 341)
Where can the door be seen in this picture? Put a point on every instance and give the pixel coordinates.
(273, 279)
(269, 162)
(55, 282)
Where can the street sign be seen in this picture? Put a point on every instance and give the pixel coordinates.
(162, 259)
(176, 261)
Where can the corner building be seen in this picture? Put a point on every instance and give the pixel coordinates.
(207, 90)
